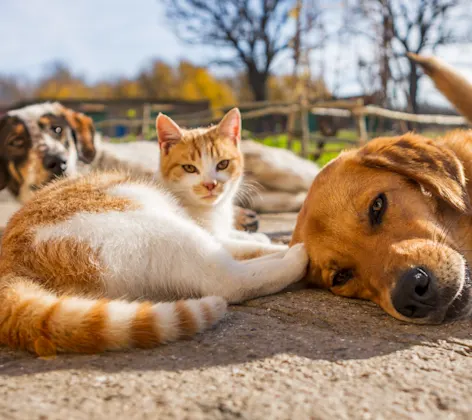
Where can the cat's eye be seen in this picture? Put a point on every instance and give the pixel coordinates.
(377, 209)
(17, 142)
(341, 277)
(222, 165)
(190, 169)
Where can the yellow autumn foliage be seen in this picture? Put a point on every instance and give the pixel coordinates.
(161, 81)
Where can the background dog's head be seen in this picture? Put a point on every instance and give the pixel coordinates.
(385, 223)
(41, 142)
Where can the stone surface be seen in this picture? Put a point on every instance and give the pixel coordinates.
(305, 354)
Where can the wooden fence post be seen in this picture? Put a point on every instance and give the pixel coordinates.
(360, 122)
(146, 120)
(304, 110)
(290, 129)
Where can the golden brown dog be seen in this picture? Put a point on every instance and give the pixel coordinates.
(391, 222)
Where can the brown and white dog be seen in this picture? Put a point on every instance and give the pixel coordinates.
(391, 222)
(41, 142)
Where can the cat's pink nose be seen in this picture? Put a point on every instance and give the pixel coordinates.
(210, 186)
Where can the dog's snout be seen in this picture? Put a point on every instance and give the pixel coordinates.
(416, 293)
(55, 163)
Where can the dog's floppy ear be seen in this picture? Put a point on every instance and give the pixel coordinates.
(297, 236)
(435, 167)
(4, 174)
(297, 232)
(84, 134)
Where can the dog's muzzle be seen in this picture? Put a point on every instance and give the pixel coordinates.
(416, 293)
(55, 164)
(461, 306)
(419, 296)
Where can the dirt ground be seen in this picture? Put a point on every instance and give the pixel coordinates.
(299, 355)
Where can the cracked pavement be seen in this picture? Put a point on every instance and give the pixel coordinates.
(304, 354)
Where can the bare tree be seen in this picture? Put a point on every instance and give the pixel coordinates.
(397, 27)
(13, 89)
(255, 31)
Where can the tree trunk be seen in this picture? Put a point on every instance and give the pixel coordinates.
(413, 88)
(258, 83)
(413, 92)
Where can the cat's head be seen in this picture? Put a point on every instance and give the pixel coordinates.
(202, 166)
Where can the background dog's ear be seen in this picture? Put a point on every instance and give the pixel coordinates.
(84, 134)
(435, 167)
(4, 175)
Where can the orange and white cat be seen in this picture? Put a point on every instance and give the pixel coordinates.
(78, 260)
(203, 168)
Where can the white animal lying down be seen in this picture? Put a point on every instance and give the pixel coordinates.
(276, 180)
(111, 236)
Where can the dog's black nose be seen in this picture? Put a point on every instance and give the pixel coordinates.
(54, 163)
(416, 293)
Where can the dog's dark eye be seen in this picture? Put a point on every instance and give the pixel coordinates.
(190, 169)
(56, 129)
(377, 209)
(341, 277)
(222, 165)
(17, 142)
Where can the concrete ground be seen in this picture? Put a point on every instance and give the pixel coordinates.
(305, 354)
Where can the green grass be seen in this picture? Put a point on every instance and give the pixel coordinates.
(331, 150)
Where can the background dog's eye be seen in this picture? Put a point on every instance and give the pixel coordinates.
(222, 165)
(377, 209)
(56, 129)
(17, 142)
(341, 277)
(189, 168)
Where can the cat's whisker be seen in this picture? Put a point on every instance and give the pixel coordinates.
(247, 194)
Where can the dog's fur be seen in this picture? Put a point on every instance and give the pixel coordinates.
(33, 136)
(423, 227)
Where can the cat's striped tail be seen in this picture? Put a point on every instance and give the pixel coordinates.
(33, 319)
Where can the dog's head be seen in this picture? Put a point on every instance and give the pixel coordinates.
(385, 223)
(41, 142)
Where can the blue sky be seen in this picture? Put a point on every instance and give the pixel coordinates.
(98, 38)
(107, 38)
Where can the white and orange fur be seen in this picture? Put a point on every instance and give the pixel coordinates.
(83, 263)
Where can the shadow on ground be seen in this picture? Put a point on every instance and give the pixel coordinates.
(308, 323)
(304, 354)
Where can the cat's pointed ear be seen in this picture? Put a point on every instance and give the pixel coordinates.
(230, 125)
(168, 132)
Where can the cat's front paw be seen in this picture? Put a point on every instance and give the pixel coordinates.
(297, 259)
(260, 237)
(246, 220)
